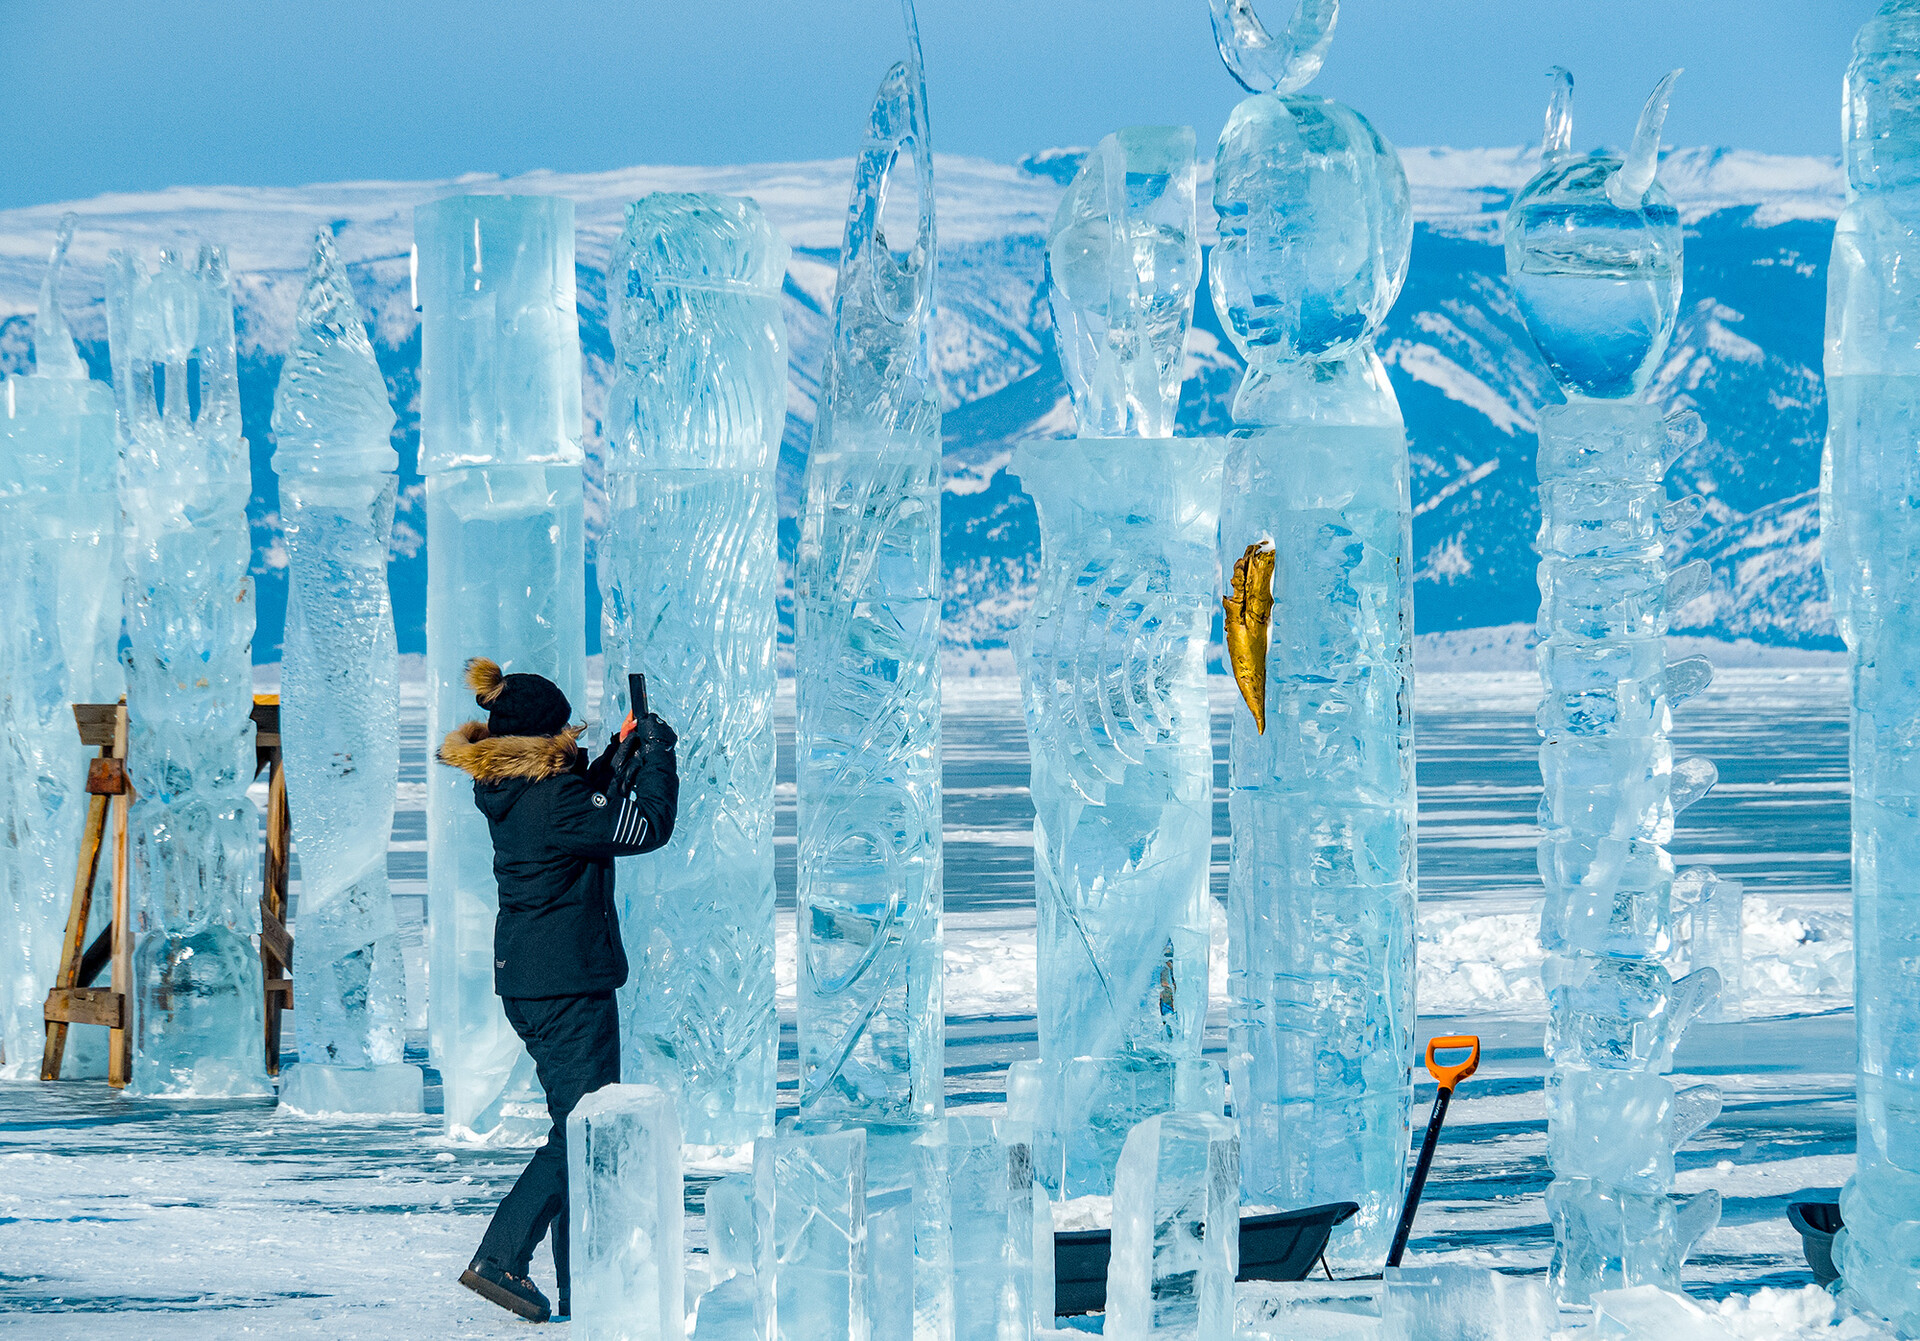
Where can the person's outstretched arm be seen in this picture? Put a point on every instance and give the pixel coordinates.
(626, 803)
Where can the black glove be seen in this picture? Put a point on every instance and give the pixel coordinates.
(651, 734)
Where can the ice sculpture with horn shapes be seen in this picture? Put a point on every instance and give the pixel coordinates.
(59, 625)
(192, 835)
(1315, 525)
(1112, 656)
(1593, 253)
(1870, 532)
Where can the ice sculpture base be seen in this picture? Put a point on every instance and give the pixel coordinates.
(626, 1212)
(819, 1232)
(1176, 1230)
(1451, 1302)
(314, 1089)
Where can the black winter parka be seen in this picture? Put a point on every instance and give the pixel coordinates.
(557, 825)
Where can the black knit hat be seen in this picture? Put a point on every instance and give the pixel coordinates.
(520, 704)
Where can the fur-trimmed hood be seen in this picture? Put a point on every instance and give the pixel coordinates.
(489, 758)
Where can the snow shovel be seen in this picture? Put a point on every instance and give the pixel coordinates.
(1449, 1077)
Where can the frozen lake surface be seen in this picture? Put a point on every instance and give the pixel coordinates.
(229, 1219)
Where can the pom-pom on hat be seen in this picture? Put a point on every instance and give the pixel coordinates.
(521, 704)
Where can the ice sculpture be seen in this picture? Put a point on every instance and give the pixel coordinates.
(340, 704)
(626, 1216)
(193, 835)
(1112, 656)
(867, 593)
(1176, 1231)
(688, 567)
(1315, 227)
(506, 555)
(819, 1233)
(59, 627)
(1593, 253)
(1869, 532)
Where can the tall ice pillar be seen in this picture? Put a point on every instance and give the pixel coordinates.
(1870, 532)
(340, 705)
(867, 591)
(1593, 253)
(193, 836)
(59, 631)
(1112, 659)
(1316, 520)
(688, 569)
(506, 559)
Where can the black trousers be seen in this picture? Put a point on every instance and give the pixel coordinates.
(575, 1045)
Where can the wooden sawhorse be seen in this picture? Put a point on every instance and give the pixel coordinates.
(73, 1000)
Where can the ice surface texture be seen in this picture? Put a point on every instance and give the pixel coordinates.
(688, 568)
(1123, 257)
(1871, 534)
(1315, 227)
(193, 836)
(506, 555)
(1113, 667)
(1176, 1231)
(340, 687)
(59, 627)
(1599, 286)
(626, 1216)
(867, 596)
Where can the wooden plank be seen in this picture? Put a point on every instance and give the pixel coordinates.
(106, 777)
(87, 1005)
(95, 721)
(273, 903)
(120, 1041)
(81, 908)
(275, 937)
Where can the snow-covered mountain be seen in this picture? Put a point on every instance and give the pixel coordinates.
(1747, 356)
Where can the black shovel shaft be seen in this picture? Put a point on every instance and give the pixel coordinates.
(1440, 1102)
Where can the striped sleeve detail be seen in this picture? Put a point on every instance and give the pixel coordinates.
(629, 825)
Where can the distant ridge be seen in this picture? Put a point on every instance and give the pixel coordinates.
(1747, 356)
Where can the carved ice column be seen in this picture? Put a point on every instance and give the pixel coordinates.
(1593, 253)
(193, 836)
(1112, 657)
(688, 568)
(506, 559)
(340, 706)
(1870, 532)
(867, 590)
(60, 519)
(1315, 228)
(867, 594)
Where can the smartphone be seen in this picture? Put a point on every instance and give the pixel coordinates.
(637, 703)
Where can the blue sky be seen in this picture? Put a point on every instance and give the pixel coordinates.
(110, 95)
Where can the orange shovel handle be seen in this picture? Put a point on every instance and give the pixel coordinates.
(1450, 1076)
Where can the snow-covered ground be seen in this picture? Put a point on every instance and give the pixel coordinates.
(230, 1219)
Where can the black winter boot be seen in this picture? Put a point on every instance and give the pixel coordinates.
(499, 1286)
